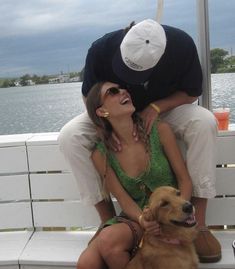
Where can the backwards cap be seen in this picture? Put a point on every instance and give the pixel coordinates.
(140, 50)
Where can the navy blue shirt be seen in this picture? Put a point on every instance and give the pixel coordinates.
(178, 69)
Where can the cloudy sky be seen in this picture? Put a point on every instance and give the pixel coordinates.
(50, 36)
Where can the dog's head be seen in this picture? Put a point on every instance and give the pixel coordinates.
(168, 208)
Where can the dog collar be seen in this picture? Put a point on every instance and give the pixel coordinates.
(170, 241)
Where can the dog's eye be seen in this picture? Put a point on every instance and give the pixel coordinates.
(178, 193)
(164, 204)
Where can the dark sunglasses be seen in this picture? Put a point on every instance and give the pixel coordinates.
(112, 91)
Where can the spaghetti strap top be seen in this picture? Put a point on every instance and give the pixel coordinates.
(158, 173)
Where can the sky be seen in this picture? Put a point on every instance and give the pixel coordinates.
(52, 36)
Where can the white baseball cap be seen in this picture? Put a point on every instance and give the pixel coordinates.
(139, 52)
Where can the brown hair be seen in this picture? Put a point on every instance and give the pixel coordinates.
(129, 27)
(93, 102)
(105, 129)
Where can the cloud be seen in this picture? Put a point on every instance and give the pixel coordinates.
(34, 17)
(41, 16)
(47, 36)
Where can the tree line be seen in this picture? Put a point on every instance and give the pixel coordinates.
(23, 80)
(221, 62)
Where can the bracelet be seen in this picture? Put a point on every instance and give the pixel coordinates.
(140, 218)
(155, 107)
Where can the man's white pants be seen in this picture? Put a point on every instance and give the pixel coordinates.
(192, 124)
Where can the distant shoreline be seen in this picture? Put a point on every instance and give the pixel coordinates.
(30, 80)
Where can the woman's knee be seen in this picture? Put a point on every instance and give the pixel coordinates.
(105, 242)
(90, 258)
(109, 242)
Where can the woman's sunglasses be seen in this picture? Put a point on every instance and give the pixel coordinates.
(112, 91)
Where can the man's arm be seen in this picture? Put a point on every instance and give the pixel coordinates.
(149, 114)
(176, 99)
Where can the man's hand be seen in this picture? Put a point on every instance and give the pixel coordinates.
(149, 115)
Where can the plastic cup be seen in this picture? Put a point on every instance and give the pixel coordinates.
(222, 116)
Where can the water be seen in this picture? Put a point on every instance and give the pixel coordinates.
(223, 92)
(46, 108)
(40, 108)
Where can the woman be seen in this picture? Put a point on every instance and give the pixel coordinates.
(130, 174)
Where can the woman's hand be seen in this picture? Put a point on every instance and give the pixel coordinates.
(150, 226)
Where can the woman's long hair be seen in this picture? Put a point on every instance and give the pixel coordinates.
(105, 129)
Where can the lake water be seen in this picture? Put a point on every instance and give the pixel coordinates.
(46, 108)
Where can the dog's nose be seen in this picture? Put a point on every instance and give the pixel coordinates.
(187, 208)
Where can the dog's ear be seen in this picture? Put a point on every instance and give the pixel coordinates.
(147, 214)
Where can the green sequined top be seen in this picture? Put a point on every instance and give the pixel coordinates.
(158, 173)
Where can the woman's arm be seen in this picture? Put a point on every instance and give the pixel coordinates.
(175, 158)
(112, 184)
(105, 210)
(129, 207)
(105, 207)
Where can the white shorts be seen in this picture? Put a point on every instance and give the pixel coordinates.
(192, 124)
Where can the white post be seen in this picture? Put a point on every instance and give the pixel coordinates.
(204, 51)
(159, 10)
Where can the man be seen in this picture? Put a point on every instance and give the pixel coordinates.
(160, 68)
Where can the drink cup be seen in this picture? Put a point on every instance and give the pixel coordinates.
(222, 116)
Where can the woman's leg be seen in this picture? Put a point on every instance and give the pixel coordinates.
(111, 247)
(91, 258)
(115, 244)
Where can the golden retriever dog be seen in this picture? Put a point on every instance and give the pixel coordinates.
(173, 248)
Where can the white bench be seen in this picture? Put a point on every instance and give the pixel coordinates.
(55, 204)
(34, 163)
(16, 226)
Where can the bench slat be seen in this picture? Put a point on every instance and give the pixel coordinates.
(15, 215)
(64, 214)
(15, 187)
(221, 211)
(54, 186)
(9, 266)
(11, 246)
(46, 158)
(225, 181)
(226, 149)
(13, 160)
(46, 247)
